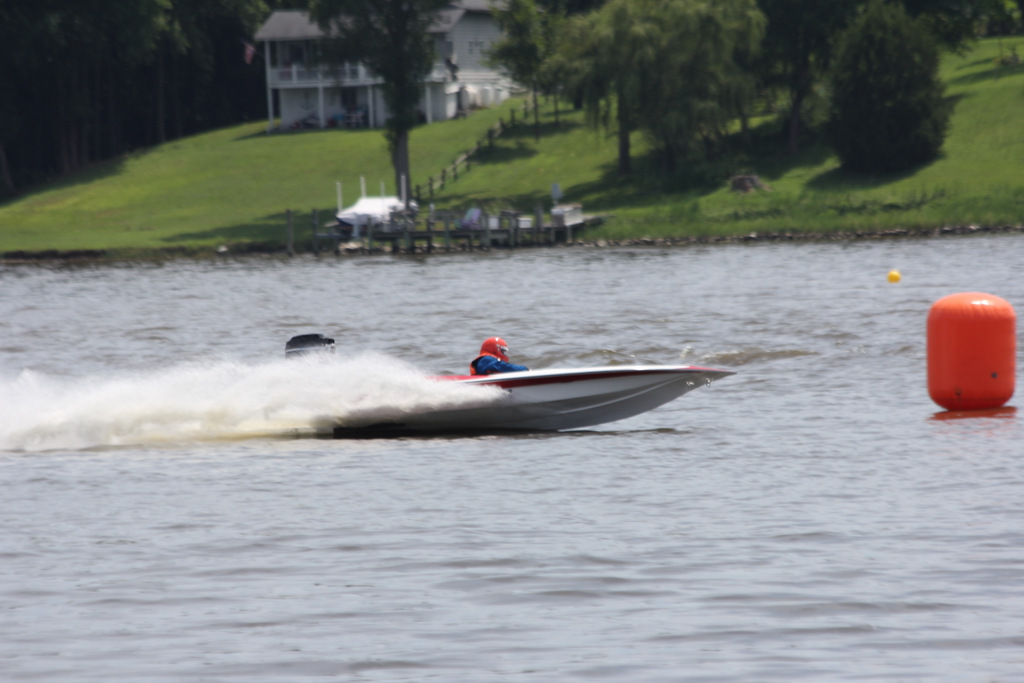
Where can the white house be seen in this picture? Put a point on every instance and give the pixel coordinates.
(313, 94)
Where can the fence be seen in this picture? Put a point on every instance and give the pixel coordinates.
(464, 161)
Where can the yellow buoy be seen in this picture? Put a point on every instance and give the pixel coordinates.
(894, 276)
(972, 349)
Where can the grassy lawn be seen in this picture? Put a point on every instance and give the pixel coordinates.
(233, 186)
(979, 179)
(230, 186)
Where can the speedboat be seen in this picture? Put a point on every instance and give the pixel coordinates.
(552, 399)
(529, 400)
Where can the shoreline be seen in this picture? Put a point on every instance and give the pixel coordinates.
(170, 254)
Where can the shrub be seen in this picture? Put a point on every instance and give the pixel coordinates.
(888, 111)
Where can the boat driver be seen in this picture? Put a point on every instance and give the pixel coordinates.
(493, 358)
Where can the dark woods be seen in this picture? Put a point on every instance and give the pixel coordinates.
(83, 81)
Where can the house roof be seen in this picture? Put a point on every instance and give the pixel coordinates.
(289, 25)
(296, 24)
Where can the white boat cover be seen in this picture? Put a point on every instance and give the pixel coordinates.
(371, 211)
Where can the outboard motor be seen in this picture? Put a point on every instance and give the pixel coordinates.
(308, 343)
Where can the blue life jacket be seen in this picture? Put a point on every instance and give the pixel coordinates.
(489, 365)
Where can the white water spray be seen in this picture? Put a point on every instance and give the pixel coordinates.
(219, 400)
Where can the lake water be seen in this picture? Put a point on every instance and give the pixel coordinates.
(167, 515)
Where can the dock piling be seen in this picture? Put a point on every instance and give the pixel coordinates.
(291, 234)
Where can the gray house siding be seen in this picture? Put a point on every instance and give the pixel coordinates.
(310, 94)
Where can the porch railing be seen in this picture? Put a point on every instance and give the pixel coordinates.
(350, 74)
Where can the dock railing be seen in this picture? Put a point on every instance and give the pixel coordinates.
(446, 231)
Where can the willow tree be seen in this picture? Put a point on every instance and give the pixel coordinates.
(391, 38)
(698, 83)
(668, 67)
(606, 52)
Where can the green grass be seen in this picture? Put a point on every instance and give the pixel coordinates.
(233, 186)
(979, 178)
(230, 186)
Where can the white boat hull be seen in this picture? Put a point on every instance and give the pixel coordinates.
(553, 400)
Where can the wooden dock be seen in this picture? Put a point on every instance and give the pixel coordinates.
(447, 232)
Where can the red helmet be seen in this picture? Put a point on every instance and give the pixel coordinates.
(495, 346)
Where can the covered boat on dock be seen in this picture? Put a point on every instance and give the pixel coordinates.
(370, 211)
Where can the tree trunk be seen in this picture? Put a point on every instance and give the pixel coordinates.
(175, 85)
(113, 113)
(799, 89)
(63, 158)
(5, 170)
(625, 129)
(161, 113)
(794, 123)
(536, 117)
(400, 162)
(669, 159)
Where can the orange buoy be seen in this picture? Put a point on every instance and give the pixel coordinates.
(972, 349)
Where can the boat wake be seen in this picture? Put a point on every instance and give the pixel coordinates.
(220, 400)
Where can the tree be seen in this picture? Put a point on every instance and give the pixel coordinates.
(798, 48)
(671, 68)
(954, 23)
(604, 52)
(888, 110)
(87, 79)
(802, 35)
(390, 37)
(698, 82)
(523, 48)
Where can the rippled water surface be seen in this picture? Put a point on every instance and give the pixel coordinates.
(168, 515)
